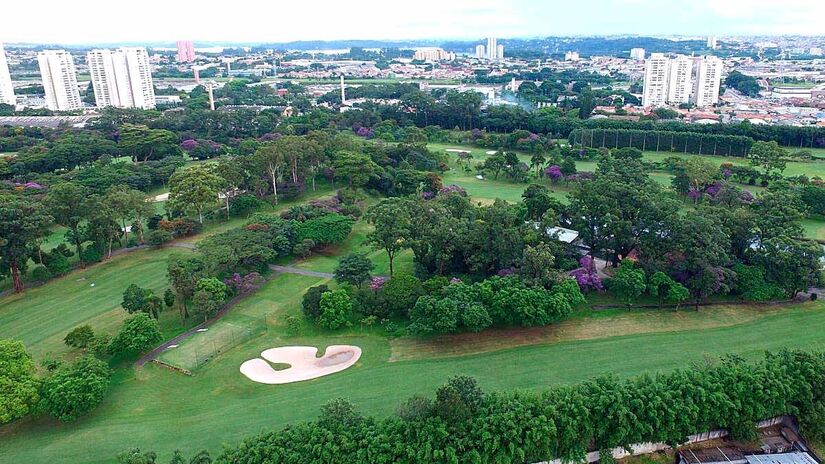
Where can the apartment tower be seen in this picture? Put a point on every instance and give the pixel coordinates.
(59, 80)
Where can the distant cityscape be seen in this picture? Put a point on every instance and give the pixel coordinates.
(790, 74)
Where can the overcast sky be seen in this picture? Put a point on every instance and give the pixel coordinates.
(98, 21)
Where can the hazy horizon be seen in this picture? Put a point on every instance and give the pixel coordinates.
(154, 21)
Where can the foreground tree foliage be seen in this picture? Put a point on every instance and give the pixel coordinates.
(75, 390)
(18, 385)
(464, 425)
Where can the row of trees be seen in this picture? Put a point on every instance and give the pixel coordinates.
(668, 141)
(462, 423)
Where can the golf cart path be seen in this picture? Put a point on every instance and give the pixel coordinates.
(148, 357)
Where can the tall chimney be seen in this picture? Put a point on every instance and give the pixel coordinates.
(343, 93)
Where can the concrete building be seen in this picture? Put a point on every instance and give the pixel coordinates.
(59, 80)
(6, 89)
(637, 54)
(657, 73)
(571, 56)
(815, 51)
(122, 78)
(433, 54)
(708, 81)
(712, 44)
(679, 84)
(491, 48)
(479, 51)
(500, 52)
(186, 51)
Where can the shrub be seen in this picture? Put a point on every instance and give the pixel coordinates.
(325, 230)
(58, 264)
(79, 337)
(245, 204)
(303, 248)
(18, 385)
(40, 274)
(159, 237)
(92, 254)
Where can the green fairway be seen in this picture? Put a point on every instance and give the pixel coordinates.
(42, 316)
(155, 408)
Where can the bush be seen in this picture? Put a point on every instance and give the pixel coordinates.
(40, 274)
(311, 304)
(159, 237)
(80, 337)
(73, 391)
(58, 264)
(92, 254)
(303, 248)
(18, 384)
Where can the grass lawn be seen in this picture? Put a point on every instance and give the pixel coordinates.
(155, 408)
(42, 316)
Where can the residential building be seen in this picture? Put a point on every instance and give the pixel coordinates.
(712, 44)
(186, 51)
(6, 89)
(500, 52)
(708, 81)
(59, 80)
(479, 51)
(679, 84)
(815, 51)
(122, 78)
(637, 54)
(433, 54)
(657, 73)
(491, 48)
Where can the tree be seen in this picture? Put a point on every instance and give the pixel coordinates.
(18, 385)
(183, 273)
(22, 223)
(628, 283)
(128, 205)
(139, 333)
(210, 295)
(145, 143)
(66, 202)
(79, 337)
(665, 288)
(311, 303)
(101, 226)
(459, 399)
(328, 229)
(272, 159)
(539, 267)
(357, 168)
(769, 156)
(401, 293)
(354, 269)
(537, 161)
(792, 264)
(75, 390)
(495, 163)
(538, 201)
(391, 223)
(335, 307)
(134, 456)
(193, 188)
(136, 299)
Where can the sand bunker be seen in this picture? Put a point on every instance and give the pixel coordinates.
(303, 363)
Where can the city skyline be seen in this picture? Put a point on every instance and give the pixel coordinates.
(518, 18)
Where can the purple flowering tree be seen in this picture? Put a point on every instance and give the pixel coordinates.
(586, 276)
(554, 173)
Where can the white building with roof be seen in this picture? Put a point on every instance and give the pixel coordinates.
(59, 80)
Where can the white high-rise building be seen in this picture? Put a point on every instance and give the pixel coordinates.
(637, 54)
(712, 42)
(433, 54)
(679, 84)
(479, 51)
(499, 52)
(708, 81)
(59, 80)
(122, 78)
(657, 73)
(6, 89)
(491, 48)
